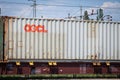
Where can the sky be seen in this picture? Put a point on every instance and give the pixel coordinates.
(60, 8)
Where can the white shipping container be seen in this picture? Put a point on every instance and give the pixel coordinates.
(27, 38)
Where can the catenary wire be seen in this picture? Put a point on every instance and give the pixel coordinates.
(58, 5)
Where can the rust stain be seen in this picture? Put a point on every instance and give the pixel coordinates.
(6, 38)
(5, 57)
(10, 48)
(20, 44)
(11, 40)
(93, 31)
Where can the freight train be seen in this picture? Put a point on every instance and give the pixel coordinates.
(58, 46)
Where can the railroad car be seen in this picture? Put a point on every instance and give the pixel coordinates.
(59, 46)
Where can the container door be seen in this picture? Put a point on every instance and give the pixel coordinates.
(1, 39)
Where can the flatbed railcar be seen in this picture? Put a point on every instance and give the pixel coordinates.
(58, 46)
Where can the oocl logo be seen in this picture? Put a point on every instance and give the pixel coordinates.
(34, 28)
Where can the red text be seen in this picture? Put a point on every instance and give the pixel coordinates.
(34, 28)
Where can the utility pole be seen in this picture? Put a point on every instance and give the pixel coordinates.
(0, 11)
(68, 15)
(34, 7)
(80, 12)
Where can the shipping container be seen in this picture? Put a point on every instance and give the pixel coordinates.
(59, 39)
(1, 40)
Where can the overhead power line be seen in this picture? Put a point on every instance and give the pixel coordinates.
(34, 7)
(13, 3)
(58, 5)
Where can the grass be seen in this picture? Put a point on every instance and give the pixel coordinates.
(56, 76)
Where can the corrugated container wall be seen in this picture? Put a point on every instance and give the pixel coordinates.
(1, 39)
(28, 38)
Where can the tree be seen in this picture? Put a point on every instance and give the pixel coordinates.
(100, 14)
(85, 17)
